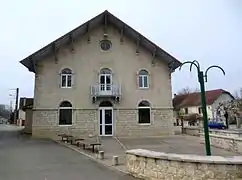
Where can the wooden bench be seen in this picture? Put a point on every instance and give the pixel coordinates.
(65, 137)
(90, 141)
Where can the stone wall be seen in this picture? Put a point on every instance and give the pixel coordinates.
(45, 123)
(126, 123)
(192, 131)
(229, 143)
(152, 165)
(28, 121)
(85, 122)
(225, 132)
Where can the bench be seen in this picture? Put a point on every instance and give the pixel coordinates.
(65, 137)
(93, 142)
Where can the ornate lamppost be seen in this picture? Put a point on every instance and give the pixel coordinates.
(201, 77)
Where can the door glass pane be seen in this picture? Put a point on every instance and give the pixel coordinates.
(145, 81)
(102, 79)
(140, 81)
(100, 117)
(108, 129)
(108, 82)
(102, 83)
(69, 80)
(100, 130)
(108, 116)
(63, 81)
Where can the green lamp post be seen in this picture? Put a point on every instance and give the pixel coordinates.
(201, 77)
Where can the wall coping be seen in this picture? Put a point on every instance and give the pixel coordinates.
(192, 127)
(225, 131)
(186, 157)
(224, 137)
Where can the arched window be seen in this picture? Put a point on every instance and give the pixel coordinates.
(105, 80)
(65, 113)
(144, 112)
(143, 79)
(66, 78)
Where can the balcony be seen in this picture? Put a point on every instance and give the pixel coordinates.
(105, 90)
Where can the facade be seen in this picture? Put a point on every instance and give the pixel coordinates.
(25, 113)
(102, 78)
(191, 103)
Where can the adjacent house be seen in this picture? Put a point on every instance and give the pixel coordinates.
(191, 103)
(102, 78)
(23, 102)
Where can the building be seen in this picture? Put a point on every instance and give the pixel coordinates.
(191, 103)
(23, 103)
(102, 78)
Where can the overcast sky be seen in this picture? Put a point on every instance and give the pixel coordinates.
(205, 30)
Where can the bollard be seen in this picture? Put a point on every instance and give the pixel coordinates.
(101, 155)
(115, 161)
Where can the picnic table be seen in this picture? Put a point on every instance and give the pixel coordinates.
(75, 139)
(65, 137)
(93, 142)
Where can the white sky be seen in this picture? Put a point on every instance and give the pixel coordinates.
(205, 30)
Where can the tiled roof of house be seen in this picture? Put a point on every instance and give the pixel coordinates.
(194, 99)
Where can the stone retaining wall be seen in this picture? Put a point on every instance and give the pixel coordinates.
(161, 166)
(229, 143)
(192, 131)
(225, 132)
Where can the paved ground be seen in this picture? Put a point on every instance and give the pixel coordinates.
(24, 158)
(179, 144)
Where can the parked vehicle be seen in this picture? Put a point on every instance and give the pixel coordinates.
(216, 125)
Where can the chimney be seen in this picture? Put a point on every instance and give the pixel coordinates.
(174, 95)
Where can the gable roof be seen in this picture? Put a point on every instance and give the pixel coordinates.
(194, 99)
(101, 19)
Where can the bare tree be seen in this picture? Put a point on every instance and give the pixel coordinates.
(187, 90)
(4, 111)
(233, 108)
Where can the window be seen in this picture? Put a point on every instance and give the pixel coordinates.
(186, 110)
(144, 112)
(143, 79)
(105, 45)
(200, 110)
(66, 78)
(65, 113)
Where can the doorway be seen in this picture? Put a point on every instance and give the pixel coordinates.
(105, 119)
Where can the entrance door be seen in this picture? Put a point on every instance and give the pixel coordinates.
(105, 83)
(106, 121)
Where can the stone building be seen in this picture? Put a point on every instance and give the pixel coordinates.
(102, 78)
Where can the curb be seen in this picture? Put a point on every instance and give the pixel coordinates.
(91, 157)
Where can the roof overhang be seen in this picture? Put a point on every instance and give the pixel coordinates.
(127, 31)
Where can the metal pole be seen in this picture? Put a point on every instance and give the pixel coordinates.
(204, 110)
(16, 105)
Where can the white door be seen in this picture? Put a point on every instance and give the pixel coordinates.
(106, 121)
(105, 81)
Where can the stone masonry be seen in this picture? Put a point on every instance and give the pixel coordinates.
(85, 122)
(152, 165)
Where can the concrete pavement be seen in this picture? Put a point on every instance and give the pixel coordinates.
(24, 158)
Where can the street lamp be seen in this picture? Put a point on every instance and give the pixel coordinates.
(201, 78)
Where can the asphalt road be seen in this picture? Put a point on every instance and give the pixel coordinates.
(24, 158)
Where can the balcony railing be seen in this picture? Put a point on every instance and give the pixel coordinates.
(105, 90)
